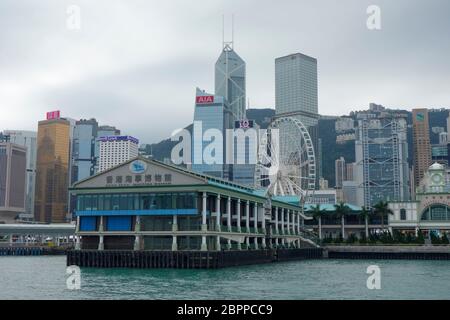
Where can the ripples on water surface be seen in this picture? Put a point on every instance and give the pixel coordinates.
(45, 278)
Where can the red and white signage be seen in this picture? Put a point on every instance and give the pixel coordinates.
(53, 115)
(204, 99)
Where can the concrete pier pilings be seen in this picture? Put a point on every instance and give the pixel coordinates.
(185, 259)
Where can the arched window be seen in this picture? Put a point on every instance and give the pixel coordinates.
(436, 212)
(402, 214)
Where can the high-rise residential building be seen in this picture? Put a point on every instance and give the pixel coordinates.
(13, 168)
(27, 139)
(381, 152)
(103, 131)
(376, 107)
(52, 170)
(211, 114)
(296, 94)
(115, 150)
(230, 80)
(349, 175)
(421, 144)
(340, 172)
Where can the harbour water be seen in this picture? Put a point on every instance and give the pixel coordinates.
(45, 278)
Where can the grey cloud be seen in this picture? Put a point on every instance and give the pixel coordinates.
(145, 58)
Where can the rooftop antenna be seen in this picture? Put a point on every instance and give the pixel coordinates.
(223, 30)
(227, 45)
(232, 30)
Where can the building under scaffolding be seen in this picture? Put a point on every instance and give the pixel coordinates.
(382, 160)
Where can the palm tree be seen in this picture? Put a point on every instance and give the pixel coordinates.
(365, 214)
(341, 210)
(382, 209)
(317, 214)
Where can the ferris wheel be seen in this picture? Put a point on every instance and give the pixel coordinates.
(286, 163)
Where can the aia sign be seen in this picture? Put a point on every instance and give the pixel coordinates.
(204, 99)
(53, 115)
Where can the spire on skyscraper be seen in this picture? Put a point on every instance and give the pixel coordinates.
(230, 76)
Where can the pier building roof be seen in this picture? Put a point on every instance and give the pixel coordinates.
(158, 176)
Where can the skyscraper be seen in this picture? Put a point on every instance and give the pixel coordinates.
(245, 141)
(115, 150)
(83, 150)
(421, 141)
(349, 176)
(340, 171)
(439, 154)
(381, 152)
(296, 87)
(211, 113)
(296, 94)
(86, 147)
(52, 170)
(103, 131)
(230, 80)
(27, 139)
(12, 181)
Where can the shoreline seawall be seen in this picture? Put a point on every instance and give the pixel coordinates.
(388, 252)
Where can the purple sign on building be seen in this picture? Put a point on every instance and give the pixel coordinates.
(119, 138)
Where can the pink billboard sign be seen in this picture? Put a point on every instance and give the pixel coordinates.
(53, 115)
(204, 99)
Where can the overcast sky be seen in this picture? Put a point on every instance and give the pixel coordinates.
(135, 64)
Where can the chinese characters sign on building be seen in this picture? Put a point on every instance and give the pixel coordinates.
(139, 180)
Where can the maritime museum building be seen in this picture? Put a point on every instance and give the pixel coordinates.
(144, 204)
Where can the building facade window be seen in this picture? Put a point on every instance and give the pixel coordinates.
(436, 213)
(402, 214)
(137, 201)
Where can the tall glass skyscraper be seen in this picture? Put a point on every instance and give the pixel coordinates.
(381, 152)
(83, 149)
(296, 94)
(211, 113)
(230, 80)
(52, 170)
(296, 90)
(245, 144)
(12, 181)
(28, 140)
